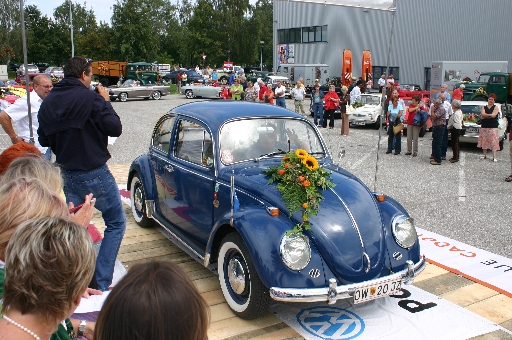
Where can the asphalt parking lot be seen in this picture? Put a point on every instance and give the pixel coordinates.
(466, 201)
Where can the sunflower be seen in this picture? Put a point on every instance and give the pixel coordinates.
(301, 153)
(310, 162)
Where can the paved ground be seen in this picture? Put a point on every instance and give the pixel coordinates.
(466, 201)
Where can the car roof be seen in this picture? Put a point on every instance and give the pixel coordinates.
(476, 102)
(215, 113)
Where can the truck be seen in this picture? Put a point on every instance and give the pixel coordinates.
(310, 73)
(499, 83)
(454, 72)
(111, 72)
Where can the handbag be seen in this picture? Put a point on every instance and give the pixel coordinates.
(397, 128)
(350, 110)
(463, 130)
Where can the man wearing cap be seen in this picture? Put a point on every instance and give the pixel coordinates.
(279, 94)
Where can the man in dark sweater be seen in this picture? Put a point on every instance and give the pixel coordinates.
(76, 122)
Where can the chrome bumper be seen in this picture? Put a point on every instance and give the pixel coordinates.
(334, 292)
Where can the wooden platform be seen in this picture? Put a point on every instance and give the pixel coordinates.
(143, 244)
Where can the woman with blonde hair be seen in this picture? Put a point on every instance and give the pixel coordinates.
(34, 167)
(155, 301)
(48, 264)
(344, 101)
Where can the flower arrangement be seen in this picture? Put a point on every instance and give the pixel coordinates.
(480, 90)
(471, 118)
(357, 104)
(103, 69)
(300, 178)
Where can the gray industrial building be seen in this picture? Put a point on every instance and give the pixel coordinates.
(424, 31)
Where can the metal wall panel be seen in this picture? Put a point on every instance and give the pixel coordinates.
(424, 31)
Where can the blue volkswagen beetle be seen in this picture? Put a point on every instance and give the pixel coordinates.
(203, 183)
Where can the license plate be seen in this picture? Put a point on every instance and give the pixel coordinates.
(359, 123)
(377, 291)
(472, 129)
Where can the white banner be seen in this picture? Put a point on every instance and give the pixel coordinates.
(372, 4)
(488, 269)
(414, 314)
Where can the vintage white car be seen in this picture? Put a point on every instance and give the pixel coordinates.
(471, 111)
(192, 91)
(132, 89)
(370, 113)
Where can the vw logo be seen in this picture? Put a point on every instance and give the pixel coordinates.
(331, 322)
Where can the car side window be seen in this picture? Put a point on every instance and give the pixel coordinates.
(162, 135)
(498, 80)
(194, 144)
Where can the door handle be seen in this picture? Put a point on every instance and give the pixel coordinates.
(169, 168)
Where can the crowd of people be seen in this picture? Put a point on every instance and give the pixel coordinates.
(48, 262)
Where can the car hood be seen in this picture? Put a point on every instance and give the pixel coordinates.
(348, 230)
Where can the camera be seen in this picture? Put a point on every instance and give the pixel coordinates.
(94, 87)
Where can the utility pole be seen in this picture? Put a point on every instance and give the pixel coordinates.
(71, 27)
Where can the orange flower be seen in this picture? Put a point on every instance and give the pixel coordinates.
(306, 183)
(281, 172)
(287, 165)
(301, 178)
(305, 205)
(285, 158)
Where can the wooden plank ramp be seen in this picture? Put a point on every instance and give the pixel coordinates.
(146, 244)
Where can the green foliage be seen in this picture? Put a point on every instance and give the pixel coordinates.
(144, 30)
(299, 179)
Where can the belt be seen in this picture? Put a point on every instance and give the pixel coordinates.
(298, 100)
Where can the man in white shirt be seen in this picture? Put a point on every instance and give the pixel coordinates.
(256, 85)
(448, 112)
(447, 94)
(18, 112)
(382, 83)
(279, 93)
(298, 94)
(355, 94)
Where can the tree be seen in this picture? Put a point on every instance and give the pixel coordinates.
(10, 42)
(137, 26)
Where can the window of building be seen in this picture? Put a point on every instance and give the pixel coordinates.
(303, 35)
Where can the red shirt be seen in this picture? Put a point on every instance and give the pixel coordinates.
(457, 94)
(263, 89)
(411, 114)
(329, 104)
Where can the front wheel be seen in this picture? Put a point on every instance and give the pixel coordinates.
(423, 130)
(156, 95)
(189, 94)
(378, 123)
(138, 200)
(242, 287)
(123, 96)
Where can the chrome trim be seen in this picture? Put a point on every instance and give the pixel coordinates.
(284, 240)
(332, 293)
(179, 240)
(314, 273)
(354, 223)
(397, 220)
(193, 172)
(367, 269)
(150, 208)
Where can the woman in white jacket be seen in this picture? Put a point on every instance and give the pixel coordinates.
(455, 127)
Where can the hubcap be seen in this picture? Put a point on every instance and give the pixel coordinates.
(138, 198)
(236, 275)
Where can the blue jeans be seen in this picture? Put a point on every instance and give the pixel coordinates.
(280, 101)
(101, 183)
(318, 112)
(394, 141)
(437, 135)
(444, 145)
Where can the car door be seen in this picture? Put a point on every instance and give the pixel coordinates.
(159, 156)
(498, 85)
(190, 179)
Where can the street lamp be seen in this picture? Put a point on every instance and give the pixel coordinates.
(261, 56)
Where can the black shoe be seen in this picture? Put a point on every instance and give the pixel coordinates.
(396, 153)
(388, 152)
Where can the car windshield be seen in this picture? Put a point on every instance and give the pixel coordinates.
(484, 78)
(370, 100)
(266, 137)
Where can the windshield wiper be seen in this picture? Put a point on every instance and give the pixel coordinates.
(270, 154)
(317, 153)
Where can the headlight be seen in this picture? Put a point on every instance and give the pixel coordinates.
(295, 252)
(404, 231)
